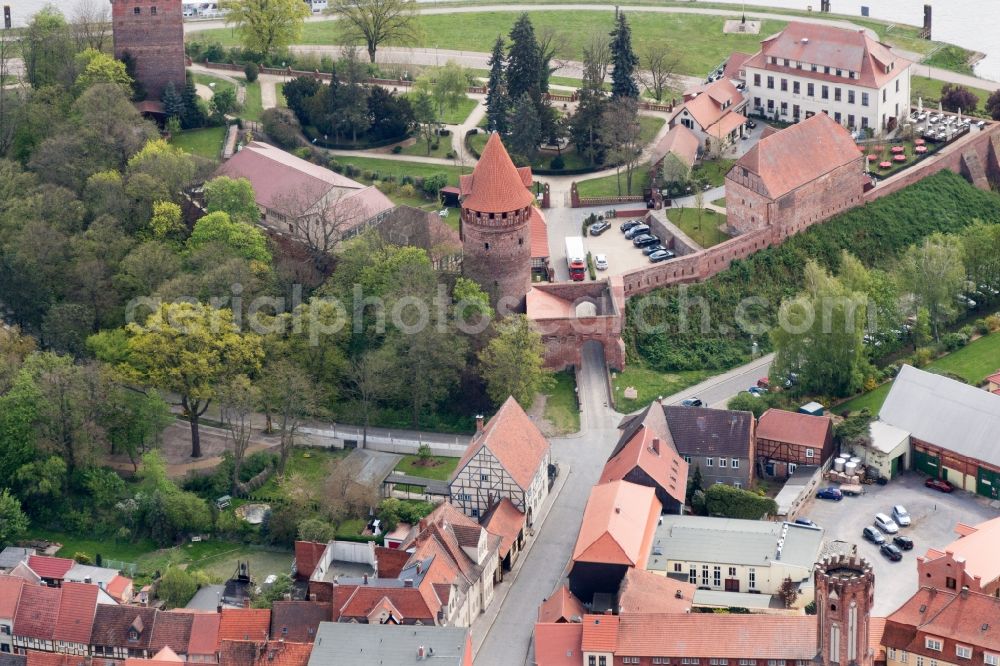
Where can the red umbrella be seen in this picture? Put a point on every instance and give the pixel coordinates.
(921, 149)
(899, 158)
(872, 157)
(919, 142)
(885, 165)
(898, 149)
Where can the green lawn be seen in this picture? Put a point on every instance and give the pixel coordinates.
(420, 148)
(208, 79)
(253, 107)
(950, 57)
(457, 115)
(929, 90)
(720, 202)
(307, 465)
(607, 186)
(126, 551)
(205, 142)
(279, 94)
(650, 126)
(972, 363)
(703, 231)
(441, 467)
(651, 385)
(561, 409)
(713, 171)
(399, 168)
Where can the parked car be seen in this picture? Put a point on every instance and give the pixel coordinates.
(650, 249)
(691, 402)
(756, 391)
(601, 262)
(891, 552)
(885, 523)
(628, 224)
(637, 230)
(660, 255)
(873, 535)
(751, 124)
(598, 228)
(904, 542)
(642, 240)
(901, 515)
(939, 484)
(830, 493)
(764, 382)
(805, 522)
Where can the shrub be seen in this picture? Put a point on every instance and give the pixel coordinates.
(731, 502)
(177, 586)
(923, 356)
(251, 71)
(451, 155)
(81, 558)
(396, 150)
(557, 163)
(282, 126)
(314, 529)
(433, 184)
(407, 190)
(435, 145)
(214, 52)
(982, 328)
(953, 341)
(968, 331)
(993, 323)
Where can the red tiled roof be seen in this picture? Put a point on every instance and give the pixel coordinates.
(505, 520)
(600, 633)
(876, 626)
(794, 428)
(539, 235)
(77, 606)
(558, 644)
(239, 653)
(297, 621)
(618, 524)
(514, 440)
(111, 625)
(50, 567)
(10, 591)
(204, 638)
(636, 449)
(53, 659)
(285, 654)
(717, 636)
(496, 185)
(734, 64)
(994, 378)
(562, 606)
(171, 630)
(645, 592)
(244, 624)
(37, 612)
(307, 554)
(978, 546)
(966, 618)
(390, 561)
(829, 46)
(117, 587)
(163, 656)
(680, 141)
(714, 106)
(407, 600)
(799, 154)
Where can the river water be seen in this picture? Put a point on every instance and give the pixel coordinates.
(973, 24)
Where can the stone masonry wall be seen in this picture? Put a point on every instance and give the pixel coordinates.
(156, 41)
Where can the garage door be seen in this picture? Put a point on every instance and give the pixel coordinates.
(988, 483)
(926, 463)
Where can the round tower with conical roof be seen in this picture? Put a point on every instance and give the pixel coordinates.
(497, 206)
(845, 591)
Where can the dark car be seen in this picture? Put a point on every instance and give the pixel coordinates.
(598, 228)
(650, 249)
(691, 402)
(751, 124)
(805, 522)
(637, 230)
(830, 494)
(873, 535)
(891, 552)
(660, 255)
(625, 226)
(939, 484)
(642, 240)
(904, 542)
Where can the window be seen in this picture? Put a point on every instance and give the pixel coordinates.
(810, 90)
(770, 82)
(475, 513)
(770, 105)
(890, 653)
(826, 70)
(836, 116)
(825, 92)
(737, 484)
(718, 662)
(786, 62)
(709, 462)
(795, 87)
(850, 120)
(602, 661)
(897, 81)
(152, 10)
(864, 122)
(784, 108)
(748, 662)
(630, 660)
(735, 463)
(752, 578)
(883, 94)
(920, 660)
(850, 97)
(933, 643)
(814, 68)
(464, 496)
(836, 94)
(693, 575)
(591, 660)
(904, 656)
(689, 660)
(487, 245)
(991, 659)
(756, 102)
(722, 462)
(864, 99)
(963, 651)
(756, 80)
(137, 10)
(784, 85)
(661, 660)
(678, 567)
(704, 575)
(687, 459)
(950, 583)
(717, 576)
(775, 662)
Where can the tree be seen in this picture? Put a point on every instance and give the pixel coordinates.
(524, 65)
(316, 530)
(176, 587)
(525, 129)
(550, 42)
(167, 222)
(190, 349)
(173, 103)
(224, 102)
(193, 115)
(343, 495)
(391, 115)
(9, 104)
(451, 82)
(298, 91)
(623, 60)
(955, 97)
(133, 421)
(267, 26)
(788, 592)
(370, 378)
(730, 502)
(982, 263)
(745, 402)
(430, 362)
(376, 22)
(91, 24)
(660, 68)
(993, 105)
(242, 239)
(48, 50)
(497, 101)
(13, 521)
(168, 166)
(233, 196)
(513, 363)
(622, 134)
(97, 67)
(423, 113)
(933, 272)
(695, 484)
(597, 58)
(587, 123)
(238, 400)
(287, 395)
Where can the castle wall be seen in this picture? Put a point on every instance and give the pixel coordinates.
(152, 31)
(497, 255)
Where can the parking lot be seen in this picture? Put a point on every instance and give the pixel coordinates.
(933, 514)
(622, 255)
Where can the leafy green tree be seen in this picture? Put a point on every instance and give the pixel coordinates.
(168, 166)
(587, 122)
(234, 196)
(316, 530)
(621, 135)
(623, 60)
(524, 64)
(525, 128)
(446, 85)
(190, 349)
(430, 363)
(883, 314)
(744, 402)
(933, 272)
(98, 67)
(13, 521)
(979, 255)
(730, 502)
(173, 102)
(377, 22)
(388, 512)
(167, 223)
(133, 421)
(993, 105)
(424, 114)
(241, 238)
(695, 484)
(497, 101)
(288, 396)
(267, 27)
(513, 363)
(391, 115)
(48, 49)
(472, 303)
(224, 102)
(176, 587)
(42, 485)
(238, 400)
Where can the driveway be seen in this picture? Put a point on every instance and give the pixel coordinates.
(934, 516)
(622, 255)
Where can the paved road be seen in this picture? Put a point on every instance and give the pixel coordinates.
(716, 391)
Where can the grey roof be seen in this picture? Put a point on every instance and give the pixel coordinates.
(349, 644)
(12, 555)
(7, 659)
(732, 541)
(946, 413)
(371, 467)
(710, 432)
(78, 572)
(885, 437)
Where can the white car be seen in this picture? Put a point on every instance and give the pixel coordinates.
(885, 523)
(601, 262)
(900, 515)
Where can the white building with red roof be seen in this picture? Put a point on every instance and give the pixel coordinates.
(714, 114)
(809, 68)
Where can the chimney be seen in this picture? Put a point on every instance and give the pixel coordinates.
(408, 582)
(312, 596)
(618, 509)
(366, 579)
(678, 595)
(419, 566)
(656, 445)
(88, 580)
(479, 423)
(965, 591)
(218, 609)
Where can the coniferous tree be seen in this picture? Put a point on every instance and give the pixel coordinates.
(173, 103)
(525, 128)
(623, 60)
(497, 102)
(193, 116)
(523, 62)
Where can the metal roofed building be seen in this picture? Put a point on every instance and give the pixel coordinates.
(736, 555)
(348, 644)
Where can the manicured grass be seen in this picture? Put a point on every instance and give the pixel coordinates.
(929, 90)
(561, 407)
(872, 401)
(884, 154)
(950, 57)
(420, 148)
(703, 231)
(651, 385)
(205, 142)
(720, 202)
(713, 171)
(458, 114)
(222, 566)
(208, 79)
(607, 186)
(650, 126)
(252, 107)
(279, 95)
(399, 168)
(441, 468)
(351, 527)
(308, 466)
(127, 551)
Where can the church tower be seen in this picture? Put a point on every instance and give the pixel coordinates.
(497, 207)
(845, 589)
(152, 32)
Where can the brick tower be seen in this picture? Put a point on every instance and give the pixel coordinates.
(497, 206)
(152, 32)
(845, 588)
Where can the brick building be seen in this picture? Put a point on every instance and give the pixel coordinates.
(795, 178)
(785, 438)
(151, 32)
(968, 562)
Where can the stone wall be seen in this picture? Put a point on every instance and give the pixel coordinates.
(564, 338)
(497, 254)
(156, 41)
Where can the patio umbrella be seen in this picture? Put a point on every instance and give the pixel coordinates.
(920, 105)
(940, 108)
(960, 115)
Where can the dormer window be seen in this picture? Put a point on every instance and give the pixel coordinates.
(133, 635)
